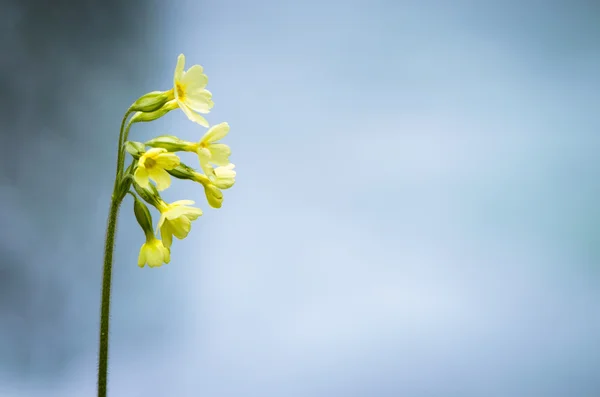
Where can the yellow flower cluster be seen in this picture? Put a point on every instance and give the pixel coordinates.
(160, 162)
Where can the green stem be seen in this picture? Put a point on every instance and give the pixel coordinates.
(105, 306)
(109, 247)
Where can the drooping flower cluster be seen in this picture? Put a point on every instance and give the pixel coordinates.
(155, 162)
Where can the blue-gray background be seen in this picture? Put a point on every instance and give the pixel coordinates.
(416, 211)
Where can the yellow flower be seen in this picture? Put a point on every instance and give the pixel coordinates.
(189, 91)
(152, 165)
(209, 152)
(154, 253)
(176, 219)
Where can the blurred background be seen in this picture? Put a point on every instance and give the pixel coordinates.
(415, 213)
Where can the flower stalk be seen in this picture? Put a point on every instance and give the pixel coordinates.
(157, 165)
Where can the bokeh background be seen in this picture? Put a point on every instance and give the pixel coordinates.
(416, 211)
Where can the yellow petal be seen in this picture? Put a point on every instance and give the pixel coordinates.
(161, 177)
(154, 255)
(180, 211)
(183, 202)
(178, 73)
(167, 161)
(219, 153)
(194, 79)
(204, 158)
(142, 256)
(213, 195)
(153, 153)
(224, 176)
(141, 177)
(199, 101)
(166, 234)
(180, 227)
(195, 117)
(166, 254)
(215, 133)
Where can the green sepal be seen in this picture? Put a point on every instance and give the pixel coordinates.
(182, 171)
(150, 194)
(136, 149)
(125, 181)
(169, 142)
(139, 117)
(151, 102)
(143, 216)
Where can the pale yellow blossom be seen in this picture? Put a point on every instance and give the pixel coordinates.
(154, 253)
(190, 92)
(176, 219)
(209, 151)
(153, 165)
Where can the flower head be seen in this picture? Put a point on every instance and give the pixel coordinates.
(176, 220)
(152, 165)
(209, 151)
(154, 253)
(189, 91)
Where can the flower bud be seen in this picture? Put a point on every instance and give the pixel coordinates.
(152, 101)
(150, 194)
(169, 142)
(142, 214)
(139, 117)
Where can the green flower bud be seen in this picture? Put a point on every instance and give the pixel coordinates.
(142, 214)
(136, 149)
(139, 117)
(152, 101)
(150, 195)
(169, 142)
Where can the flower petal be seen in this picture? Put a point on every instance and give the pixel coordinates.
(166, 234)
(142, 256)
(199, 101)
(204, 159)
(161, 177)
(180, 227)
(141, 177)
(215, 133)
(154, 153)
(194, 79)
(154, 254)
(182, 210)
(195, 117)
(166, 254)
(167, 161)
(178, 72)
(224, 177)
(183, 202)
(219, 153)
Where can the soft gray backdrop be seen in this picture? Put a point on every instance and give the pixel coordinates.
(416, 211)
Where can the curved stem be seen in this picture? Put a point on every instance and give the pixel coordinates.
(120, 151)
(109, 247)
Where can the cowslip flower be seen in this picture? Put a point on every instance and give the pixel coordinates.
(176, 219)
(209, 151)
(189, 91)
(153, 165)
(153, 252)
